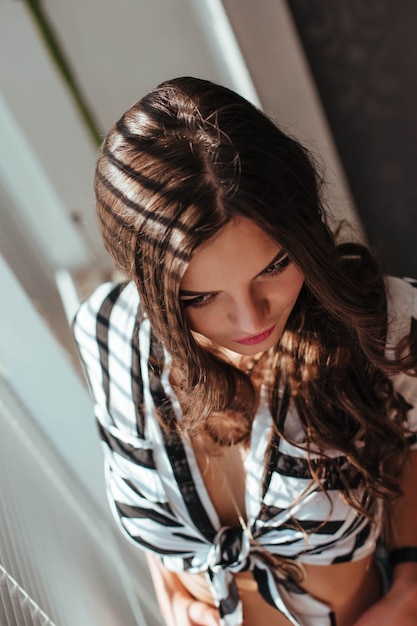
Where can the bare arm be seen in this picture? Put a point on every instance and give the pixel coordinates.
(404, 533)
(178, 607)
(399, 606)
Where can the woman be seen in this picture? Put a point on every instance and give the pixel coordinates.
(254, 381)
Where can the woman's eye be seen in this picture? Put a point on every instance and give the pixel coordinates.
(199, 301)
(278, 266)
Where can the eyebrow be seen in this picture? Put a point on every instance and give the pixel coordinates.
(277, 257)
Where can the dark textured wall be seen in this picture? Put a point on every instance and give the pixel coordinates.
(363, 56)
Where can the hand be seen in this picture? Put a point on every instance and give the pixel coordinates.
(387, 613)
(398, 606)
(184, 610)
(178, 607)
(202, 614)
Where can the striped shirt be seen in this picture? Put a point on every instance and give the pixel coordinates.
(155, 487)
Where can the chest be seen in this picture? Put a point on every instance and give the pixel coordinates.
(224, 475)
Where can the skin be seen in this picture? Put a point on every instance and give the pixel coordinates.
(399, 605)
(256, 293)
(239, 285)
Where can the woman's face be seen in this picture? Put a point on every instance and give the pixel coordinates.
(240, 288)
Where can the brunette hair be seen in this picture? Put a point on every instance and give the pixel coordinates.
(178, 166)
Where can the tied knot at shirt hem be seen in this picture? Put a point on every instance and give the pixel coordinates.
(234, 550)
(230, 549)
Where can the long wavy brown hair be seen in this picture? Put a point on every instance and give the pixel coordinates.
(176, 168)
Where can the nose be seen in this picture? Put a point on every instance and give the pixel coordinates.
(249, 313)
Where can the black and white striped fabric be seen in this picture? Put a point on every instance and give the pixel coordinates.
(158, 495)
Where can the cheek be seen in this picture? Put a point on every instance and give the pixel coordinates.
(195, 319)
(189, 318)
(288, 292)
(204, 320)
(298, 285)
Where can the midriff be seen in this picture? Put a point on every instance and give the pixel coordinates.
(347, 588)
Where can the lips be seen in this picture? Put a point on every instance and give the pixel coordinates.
(255, 339)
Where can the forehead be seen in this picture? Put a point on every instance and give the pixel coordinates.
(240, 249)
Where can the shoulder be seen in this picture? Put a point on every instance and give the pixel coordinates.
(109, 304)
(402, 320)
(105, 334)
(401, 308)
(105, 324)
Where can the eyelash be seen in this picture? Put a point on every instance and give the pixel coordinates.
(199, 301)
(277, 267)
(272, 270)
